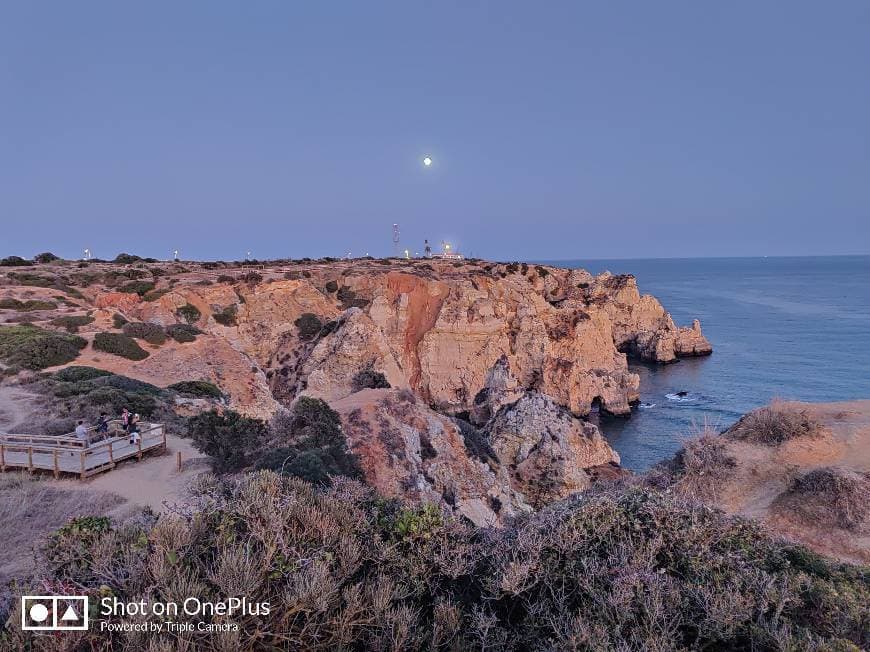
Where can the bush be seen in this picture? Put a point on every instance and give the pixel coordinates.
(229, 438)
(331, 286)
(308, 442)
(226, 316)
(126, 259)
(832, 497)
(343, 568)
(226, 278)
(14, 261)
(119, 344)
(118, 320)
(26, 306)
(775, 424)
(309, 325)
(30, 347)
(137, 287)
(189, 313)
(72, 323)
(153, 295)
(45, 257)
(251, 278)
(197, 389)
(182, 332)
(77, 374)
(151, 333)
(369, 379)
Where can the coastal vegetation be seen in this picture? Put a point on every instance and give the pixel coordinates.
(339, 565)
(119, 344)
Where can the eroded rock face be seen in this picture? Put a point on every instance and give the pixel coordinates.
(407, 450)
(500, 388)
(436, 327)
(547, 449)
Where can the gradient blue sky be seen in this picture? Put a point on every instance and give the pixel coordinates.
(558, 129)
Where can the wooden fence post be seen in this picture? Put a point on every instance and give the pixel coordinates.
(30, 458)
(3, 458)
(82, 455)
(179, 461)
(111, 454)
(139, 445)
(56, 469)
(163, 432)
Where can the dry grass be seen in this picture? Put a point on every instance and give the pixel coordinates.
(699, 469)
(776, 423)
(344, 569)
(831, 497)
(30, 508)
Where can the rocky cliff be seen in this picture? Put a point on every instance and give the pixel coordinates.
(435, 328)
(518, 354)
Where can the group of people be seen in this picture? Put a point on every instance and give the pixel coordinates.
(129, 424)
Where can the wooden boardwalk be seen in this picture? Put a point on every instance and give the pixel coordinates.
(68, 454)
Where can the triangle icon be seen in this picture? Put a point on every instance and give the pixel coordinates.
(69, 614)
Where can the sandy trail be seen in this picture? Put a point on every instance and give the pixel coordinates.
(153, 482)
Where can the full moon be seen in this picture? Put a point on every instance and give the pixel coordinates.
(427, 161)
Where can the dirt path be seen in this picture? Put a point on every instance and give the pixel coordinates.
(154, 482)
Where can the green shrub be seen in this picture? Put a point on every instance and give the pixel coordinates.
(189, 313)
(72, 323)
(30, 347)
(251, 278)
(197, 389)
(226, 278)
(331, 286)
(229, 438)
(26, 306)
(308, 442)
(126, 259)
(45, 257)
(137, 287)
(153, 295)
(183, 332)
(308, 324)
(226, 316)
(118, 320)
(119, 344)
(369, 379)
(33, 280)
(151, 333)
(14, 261)
(78, 373)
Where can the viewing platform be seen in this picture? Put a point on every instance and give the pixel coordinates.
(71, 455)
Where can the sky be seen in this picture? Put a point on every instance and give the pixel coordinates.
(557, 130)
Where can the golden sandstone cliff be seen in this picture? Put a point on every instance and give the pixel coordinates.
(524, 352)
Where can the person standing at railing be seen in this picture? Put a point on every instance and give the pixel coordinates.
(134, 430)
(125, 419)
(82, 432)
(103, 423)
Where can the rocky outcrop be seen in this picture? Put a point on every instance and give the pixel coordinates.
(407, 450)
(500, 388)
(547, 450)
(437, 327)
(691, 342)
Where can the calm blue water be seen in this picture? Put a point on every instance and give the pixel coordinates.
(795, 328)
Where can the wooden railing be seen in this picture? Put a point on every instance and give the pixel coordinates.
(68, 454)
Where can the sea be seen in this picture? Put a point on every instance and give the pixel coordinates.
(791, 328)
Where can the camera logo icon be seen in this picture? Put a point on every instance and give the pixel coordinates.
(54, 613)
